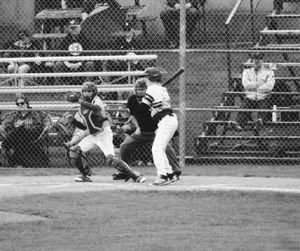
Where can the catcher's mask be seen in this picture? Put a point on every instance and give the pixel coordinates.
(140, 89)
(89, 91)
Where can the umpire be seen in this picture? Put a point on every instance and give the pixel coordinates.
(144, 133)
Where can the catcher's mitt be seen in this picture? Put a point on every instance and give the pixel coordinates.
(72, 97)
(64, 125)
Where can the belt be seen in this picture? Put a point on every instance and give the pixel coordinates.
(160, 115)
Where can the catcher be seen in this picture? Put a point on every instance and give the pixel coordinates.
(96, 133)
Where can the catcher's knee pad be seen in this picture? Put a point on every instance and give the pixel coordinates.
(121, 166)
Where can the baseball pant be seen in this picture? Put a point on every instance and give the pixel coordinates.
(103, 139)
(164, 133)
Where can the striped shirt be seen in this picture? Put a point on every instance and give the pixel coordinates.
(157, 98)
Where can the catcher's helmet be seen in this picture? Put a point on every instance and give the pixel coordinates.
(89, 86)
(153, 74)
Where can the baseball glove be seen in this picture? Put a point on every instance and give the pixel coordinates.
(72, 97)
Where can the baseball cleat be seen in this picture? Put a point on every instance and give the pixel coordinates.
(83, 179)
(174, 176)
(162, 180)
(140, 179)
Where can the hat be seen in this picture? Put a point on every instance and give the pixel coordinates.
(153, 73)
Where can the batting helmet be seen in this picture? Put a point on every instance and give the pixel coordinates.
(153, 73)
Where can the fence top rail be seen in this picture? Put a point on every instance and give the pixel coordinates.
(63, 89)
(80, 58)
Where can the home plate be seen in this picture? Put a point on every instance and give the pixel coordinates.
(8, 217)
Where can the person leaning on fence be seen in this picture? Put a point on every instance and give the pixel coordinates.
(171, 21)
(144, 133)
(24, 43)
(76, 43)
(99, 136)
(158, 100)
(25, 131)
(258, 82)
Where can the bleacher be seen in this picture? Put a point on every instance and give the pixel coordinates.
(278, 138)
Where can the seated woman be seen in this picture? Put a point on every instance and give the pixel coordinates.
(24, 130)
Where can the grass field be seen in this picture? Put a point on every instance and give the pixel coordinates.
(155, 219)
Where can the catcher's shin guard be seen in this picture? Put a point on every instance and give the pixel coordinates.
(77, 161)
(121, 166)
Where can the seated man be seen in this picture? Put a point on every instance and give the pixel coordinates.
(171, 16)
(23, 42)
(75, 42)
(258, 82)
(23, 131)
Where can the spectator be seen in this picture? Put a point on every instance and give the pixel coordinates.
(144, 133)
(258, 82)
(24, 132)
(23, 43)
(171, 17)
(75, 42)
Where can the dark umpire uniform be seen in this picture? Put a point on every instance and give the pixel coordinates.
(147, 127)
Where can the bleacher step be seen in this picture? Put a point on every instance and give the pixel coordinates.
(280, 32)
(49, 35)
(285, 15)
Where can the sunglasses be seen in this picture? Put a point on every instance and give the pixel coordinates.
(20, 103)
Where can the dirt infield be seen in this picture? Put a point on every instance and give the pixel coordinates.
(27, 185)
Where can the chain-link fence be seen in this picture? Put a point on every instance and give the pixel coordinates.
(215, 43)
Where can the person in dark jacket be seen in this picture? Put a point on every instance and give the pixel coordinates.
(76, 43)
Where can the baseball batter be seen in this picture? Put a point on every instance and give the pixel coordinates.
(158, 100)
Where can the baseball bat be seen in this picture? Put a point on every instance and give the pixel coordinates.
(175, 75)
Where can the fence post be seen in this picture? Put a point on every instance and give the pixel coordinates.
(182, 82)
